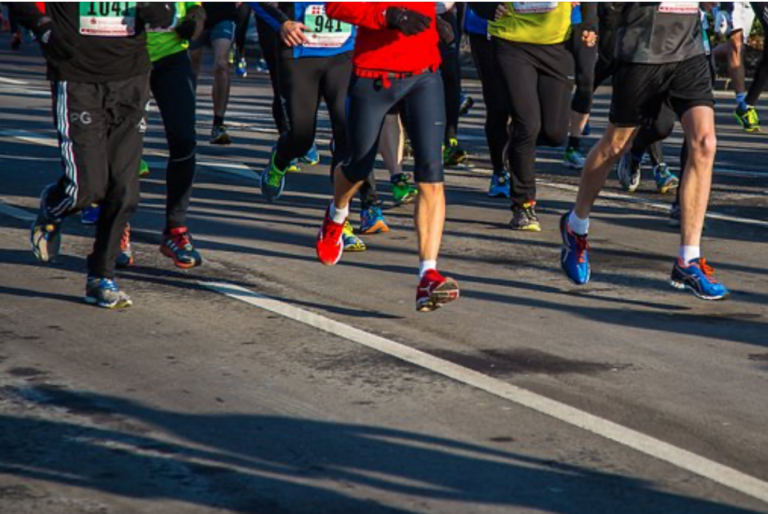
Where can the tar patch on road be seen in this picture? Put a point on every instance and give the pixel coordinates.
(526, 361)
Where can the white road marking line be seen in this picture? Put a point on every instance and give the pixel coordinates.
(31, 137)
(15, 212)
(27, 158)
(13, 81)
(651, 446)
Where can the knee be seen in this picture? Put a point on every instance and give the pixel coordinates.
(526, 132)
(553, 136)
(182, 149)
(703, 147)
(221, 67)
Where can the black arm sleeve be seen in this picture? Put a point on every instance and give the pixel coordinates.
(273, 9)
(589, 16)
(485, 10)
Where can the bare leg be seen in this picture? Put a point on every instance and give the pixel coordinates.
(734, 49)
(430, 219)
(196, 56)
(221, 49)
(699, 127)
(392, 144)
(601, 160)
(343, 190)
(578, 122)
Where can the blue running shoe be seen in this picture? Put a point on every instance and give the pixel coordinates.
(103, 292)
(372, 221)
(573, 257)
(90, 215)
(499, 185)
(313, 156)
(699, 278)
(272, 181)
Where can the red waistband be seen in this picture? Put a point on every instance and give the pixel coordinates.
(387, 76)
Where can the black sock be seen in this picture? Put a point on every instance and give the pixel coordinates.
(218, 121)
(574, 142)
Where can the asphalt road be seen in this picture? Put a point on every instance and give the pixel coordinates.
(309, 389)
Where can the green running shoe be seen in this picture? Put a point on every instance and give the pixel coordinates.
(144, 169)
(403, 192)
(272, 181)
(453, 154)
(352, 243)
(748, 119)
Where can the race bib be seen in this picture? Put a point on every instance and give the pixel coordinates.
(679, 7)
(326, 33)
(108, 19)
(534, 7)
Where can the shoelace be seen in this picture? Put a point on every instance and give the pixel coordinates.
(707, 270)
(125, 240)
(182, 240)
(582, 245)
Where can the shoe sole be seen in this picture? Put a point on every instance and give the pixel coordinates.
(328, 263)
(221, 141)
(124, 266)
(378, 228)
(183, 265)
(527, 228)
(682, 287)
(117, 305)
(445, 294)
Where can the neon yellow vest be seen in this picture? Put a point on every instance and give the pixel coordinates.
(538, 23)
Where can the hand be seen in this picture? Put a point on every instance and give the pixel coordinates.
(406, 21)
(192, 25)
(157, 14)
(723, 23)
(292, 33)
(501, 11)
(53, 46)
(589, 38)
(445, 31)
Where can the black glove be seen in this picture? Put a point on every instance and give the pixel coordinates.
(445, 31)
(54, 47)
(157, 14)
(186, 29)
(406, 21)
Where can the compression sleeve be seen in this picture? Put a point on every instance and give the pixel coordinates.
(270, 13)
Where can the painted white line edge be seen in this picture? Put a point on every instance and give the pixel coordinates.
(13, 81)
(15, 212)
(651, 446)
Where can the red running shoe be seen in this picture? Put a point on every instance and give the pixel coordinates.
(435, 291)
(329, 244)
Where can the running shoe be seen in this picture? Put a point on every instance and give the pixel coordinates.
(748, 119)
(372, 221)
(242, 68)
(434, 291)
(219, 136)
(407, 149)
(666, 181)
(90, 215)
(262, 66)
(144, 169)
(177, 245)
(46, 232)
(272, 181)
(103, 292)
(293, 167)
(352, 243)
(312, 158)
(125, 257)
(574, 258)
(329, 244)
(16, 41)
(453, 154)
(628, 171)
(499, 185)
(574, 159)
(699, 278)
(467, 102)
(403, 191)
(524, 218)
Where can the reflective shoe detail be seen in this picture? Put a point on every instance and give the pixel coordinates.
(748, 119)
(45, 234)
(219, 136)
(144, 169)
(666, 181)
(574, 159)
(372, 221)
(293, 167)
(177, 245)
(467, 102)
(403, 191)
(352, 243)
(329, 244)
(629, 171)
(453, 154)
(272, 181)
(90, 215)
(434, 291)
(242, 68)
(103, 292)
(524, 218)
(499, 185)
(574, 257)
(313, 156)
(699, 278)
(125, 257)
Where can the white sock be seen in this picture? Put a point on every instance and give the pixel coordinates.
(339, 215)
(689, 253)
(578, 226)
(426, 266)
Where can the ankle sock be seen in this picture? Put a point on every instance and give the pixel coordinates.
(339, 215)
(578, 226)
(689, 253)
(425, 266)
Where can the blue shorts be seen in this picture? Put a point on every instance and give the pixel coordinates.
(222, 30)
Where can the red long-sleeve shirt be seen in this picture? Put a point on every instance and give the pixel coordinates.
(379, 48)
